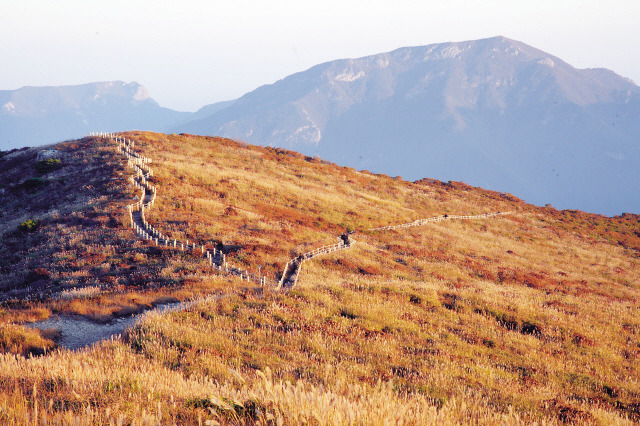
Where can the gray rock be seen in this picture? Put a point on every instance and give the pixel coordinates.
(47, 154)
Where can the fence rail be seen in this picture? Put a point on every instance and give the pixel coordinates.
(441, 218)
(292, 269)
(216, 258)
(138, 221)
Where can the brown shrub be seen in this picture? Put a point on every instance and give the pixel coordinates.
(230, 211)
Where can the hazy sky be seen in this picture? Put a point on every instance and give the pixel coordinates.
(189, 53)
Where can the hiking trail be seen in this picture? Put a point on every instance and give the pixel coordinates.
(216, 257)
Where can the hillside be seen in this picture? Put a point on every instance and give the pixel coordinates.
(495, 113)
(530, 316)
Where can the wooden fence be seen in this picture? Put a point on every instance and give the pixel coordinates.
(215, 258)
(138, 221)
(292, 269)
(420, 222)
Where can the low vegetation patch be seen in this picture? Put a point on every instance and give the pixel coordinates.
(48, 165)
(29, 225)
(26, 342)
(33, 184)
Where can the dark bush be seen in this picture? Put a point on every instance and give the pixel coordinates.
(48, 165)
(33, 184)
(531, 329)
(347, 313)
(37, 274)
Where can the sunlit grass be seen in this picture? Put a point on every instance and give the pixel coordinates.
(531, 317)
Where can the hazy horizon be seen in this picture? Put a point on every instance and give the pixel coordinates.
(195, 53)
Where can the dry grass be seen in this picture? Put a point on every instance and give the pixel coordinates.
(527, 318)
(20, 340)
(81, 259)
(113, 385)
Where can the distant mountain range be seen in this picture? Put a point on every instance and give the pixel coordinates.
(494, 113)
(33, 116)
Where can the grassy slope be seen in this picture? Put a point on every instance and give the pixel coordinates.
(82, 252)
(534, 313)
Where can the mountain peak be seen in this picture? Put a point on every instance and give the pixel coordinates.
(37, 115)
(141, 94)
(40, 100)
(477, 110)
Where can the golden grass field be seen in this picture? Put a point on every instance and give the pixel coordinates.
(527, 318)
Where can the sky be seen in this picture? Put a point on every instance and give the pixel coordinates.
(191, 53)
